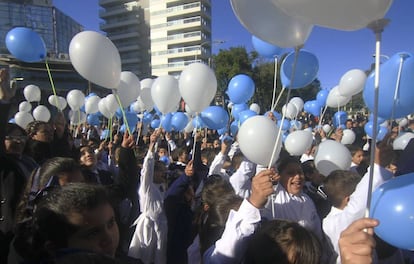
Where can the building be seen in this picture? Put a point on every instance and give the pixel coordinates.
(57, 30)
(158, 37)
(127, 26)
(180, 34)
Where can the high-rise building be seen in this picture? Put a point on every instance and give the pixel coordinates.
(57, 30)
(158, 37)
(127, 26)
(180, 34)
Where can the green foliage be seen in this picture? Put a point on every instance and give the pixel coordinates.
(236, 60)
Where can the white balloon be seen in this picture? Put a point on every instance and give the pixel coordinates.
(255, 107)
(352, 82)
(298, 102)
(25, 106)
(198, 86)
(298, 142)
(335, 99)
(165, 93)
(75, 99)
(41, 113)
(332, 155)
(348, 137)
(337, 14)
(326, 128)
(32, 93)
(111, 104)
(138, 107)
(62, 103)
(146, 83)
(91, 104)
(257, 138)
(78, 117)
(267, 21)
(23, 119)
(402, 140)
(103, 108)
(53, 100)
(96, 58)
(129, 88)
(146, 99)
(289, 110)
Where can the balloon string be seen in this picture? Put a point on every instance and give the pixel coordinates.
(123, 112)
(284, 112)
(375, 121)
(53, 86)
(107, 134)
(194, 139)
(278, 98)
(323, 114)
(397, 85)
(139, 132)
(274, 85)
(110, 129)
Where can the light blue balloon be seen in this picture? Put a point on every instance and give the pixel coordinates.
(222, 131)
(179, 121)
(237, 109)
(240, 89)
(198, 122)
(285, 125)
(132, 119)
(321, 97)
(12, 121)
(246, 114)
(155, 123)
(369, 128)
(306, 70)
(392, 204)
(296, 124)
(382, 132)
(166, 122)
(147, 118)
(25, 44)
(215, 117)
(93, 120)
(312, 107)
(339, 118)
(264, 48)
(403, 105)
(234, 128)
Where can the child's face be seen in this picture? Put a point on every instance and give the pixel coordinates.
(162, 152)
(357, 157)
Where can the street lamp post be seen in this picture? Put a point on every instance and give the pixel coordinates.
(205, 43)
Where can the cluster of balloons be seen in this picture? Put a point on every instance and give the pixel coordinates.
(287, 23)
(395, 91)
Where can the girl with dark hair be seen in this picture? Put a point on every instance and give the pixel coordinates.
(38, 145)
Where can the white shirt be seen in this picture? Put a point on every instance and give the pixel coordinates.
(241, 179)
(149, 242)
(338, 220)
(298, 208)
(231, 246)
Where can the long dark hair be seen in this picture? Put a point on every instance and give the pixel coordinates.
(42, 178)
(283, 242)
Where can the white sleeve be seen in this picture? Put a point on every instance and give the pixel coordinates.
(217, 164)
(231, 246)
(358, 199)
(172, 145)
(241, 179)
(147, 174)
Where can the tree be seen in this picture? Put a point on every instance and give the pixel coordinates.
(228, 63)
(236, 60)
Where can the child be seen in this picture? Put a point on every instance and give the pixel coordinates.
(338, 186)
(357, 156)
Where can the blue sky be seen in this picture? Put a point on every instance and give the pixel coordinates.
(337, 51)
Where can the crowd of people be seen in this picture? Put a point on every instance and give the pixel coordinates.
(169, 197)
